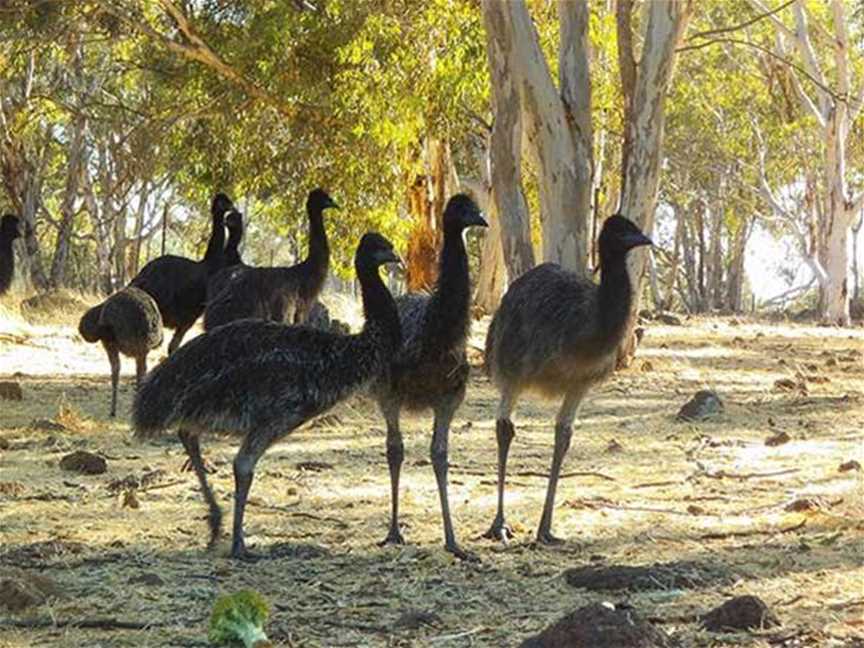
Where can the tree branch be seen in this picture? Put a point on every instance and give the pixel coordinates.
(196, 49)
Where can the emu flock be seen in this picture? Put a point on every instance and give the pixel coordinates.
(260, 370)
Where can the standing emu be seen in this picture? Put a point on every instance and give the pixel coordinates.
(128, 322)
(179, 285)
(558, 333)
(431, 369)
(232, 263)
(261, 380)
(10, 229)
(278, 294)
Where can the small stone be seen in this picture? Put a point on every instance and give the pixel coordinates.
(740, 613)
(11, 391)
(849, 465)
(803, 504)
(613, 446)
(84, 462)
(416, 619)
(704, 404)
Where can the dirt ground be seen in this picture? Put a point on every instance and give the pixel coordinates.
(710, 502)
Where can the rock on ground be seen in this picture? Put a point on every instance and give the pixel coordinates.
(740, 613)
(703, 405)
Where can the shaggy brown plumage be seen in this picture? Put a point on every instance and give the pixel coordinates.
(261, 380)
(557, 332)
(128, 322)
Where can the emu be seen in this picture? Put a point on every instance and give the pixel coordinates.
(278, 294)
(128, 322)
(558, 333)
(10, 229)
(179, 285)
(431, 369)
(261, 380)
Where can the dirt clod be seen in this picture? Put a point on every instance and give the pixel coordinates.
(11, 391)
(21, 589)
(777, 439)
(846, 466)
(600, 625)
(675, 575)
(740, 613)
(703, 405)
(84, 462)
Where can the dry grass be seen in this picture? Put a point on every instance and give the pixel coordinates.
(709, 498)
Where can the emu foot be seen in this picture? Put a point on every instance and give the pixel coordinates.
(499, 530)
(545, 538)
(460, 553)
(394, 537)
(209, 468)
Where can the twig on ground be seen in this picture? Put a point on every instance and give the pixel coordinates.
(752, 532)
(458, 635)
(109, 623)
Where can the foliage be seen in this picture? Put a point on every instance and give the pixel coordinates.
(240, 617)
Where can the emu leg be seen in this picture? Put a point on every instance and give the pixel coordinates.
(140, 370)
(563, 434)
(177, 338)
(504, 433)
(438, 451)
(395, 455)
(193, 449)
(244, 471)
(114, 360)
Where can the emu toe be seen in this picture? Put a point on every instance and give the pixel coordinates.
(209, 468)
(499, 530)
(394, 537)
(461, 554)
(547, 539)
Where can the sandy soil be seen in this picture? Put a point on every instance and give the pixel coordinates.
(710, 501)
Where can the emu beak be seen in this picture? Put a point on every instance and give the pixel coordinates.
(636, 239)
(478, 220)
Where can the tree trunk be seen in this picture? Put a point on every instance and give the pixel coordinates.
(735, 282)
(492, 277)
(76, 162)
(506, 143)
(665, 25)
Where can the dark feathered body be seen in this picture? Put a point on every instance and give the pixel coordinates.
(179, 285)
(128, 322)
(9, 231)
(251, 375)
(128, 319)
(557, 332)
(431, 369)
(551, 331)
(261, 380)
(277, 294)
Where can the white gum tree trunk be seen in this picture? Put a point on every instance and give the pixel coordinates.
(645, 85)
(506, 141)
(834, 110)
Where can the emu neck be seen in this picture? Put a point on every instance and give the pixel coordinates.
(318, 259)
(448, 323)
(214, 255)
(7, 263)
(614, 297)
(379, 309)
(232, 248)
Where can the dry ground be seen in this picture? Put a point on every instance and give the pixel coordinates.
(709, 500)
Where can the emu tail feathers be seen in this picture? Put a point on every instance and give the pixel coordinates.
(90, 326)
